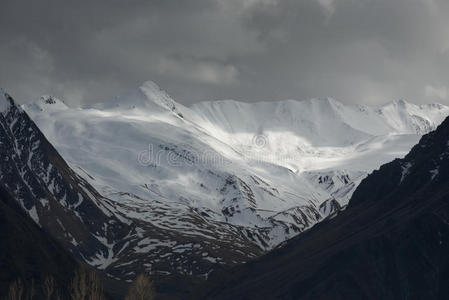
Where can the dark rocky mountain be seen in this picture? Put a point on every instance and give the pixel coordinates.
(27, 252)
(54, 196)
(392, 242)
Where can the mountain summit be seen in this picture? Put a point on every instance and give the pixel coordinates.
(5, 102)
(148, 97)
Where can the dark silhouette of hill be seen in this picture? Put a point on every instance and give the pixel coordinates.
(28, 252)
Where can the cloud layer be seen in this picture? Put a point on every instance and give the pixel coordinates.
(358, 51)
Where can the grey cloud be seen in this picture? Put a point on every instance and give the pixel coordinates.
(201, 71)
(358, 51)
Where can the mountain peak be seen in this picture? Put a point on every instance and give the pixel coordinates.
(48, 99)
(5, 102)
(52, 101)
(155, 94)
(47, 103)
(400, 102)
(149, 84)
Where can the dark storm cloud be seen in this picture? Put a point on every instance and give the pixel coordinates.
(359, 51)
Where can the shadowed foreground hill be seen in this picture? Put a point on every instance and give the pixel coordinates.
(26, 251)
(392, 242)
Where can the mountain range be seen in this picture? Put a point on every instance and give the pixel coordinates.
(144, 184)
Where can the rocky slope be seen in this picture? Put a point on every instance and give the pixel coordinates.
(54, 196)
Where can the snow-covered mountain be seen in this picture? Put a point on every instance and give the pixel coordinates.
(153, 186)
(53, 195)
(97, 230)
(271, 169)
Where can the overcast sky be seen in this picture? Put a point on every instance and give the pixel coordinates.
(357, 51)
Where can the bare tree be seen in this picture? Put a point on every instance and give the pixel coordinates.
(31, 292)
(79, 285)
(58, 296)
(49, 287)
(16, 290)
(95, 287)
(86, 285)
(141, 289)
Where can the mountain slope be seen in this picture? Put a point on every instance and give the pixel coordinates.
(103, 233)
(392, 242)
(53, 195)
(272, 169)
(26, 251)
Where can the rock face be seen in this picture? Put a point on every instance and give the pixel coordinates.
(27, 252)
(392, 242)
(54, 196)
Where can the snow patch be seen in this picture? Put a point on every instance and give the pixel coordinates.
(434, 173)
(33, 214)
(405, 170)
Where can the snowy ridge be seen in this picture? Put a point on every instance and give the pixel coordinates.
(48, 103)
(222, 171)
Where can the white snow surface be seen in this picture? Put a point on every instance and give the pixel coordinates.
(259, 165)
